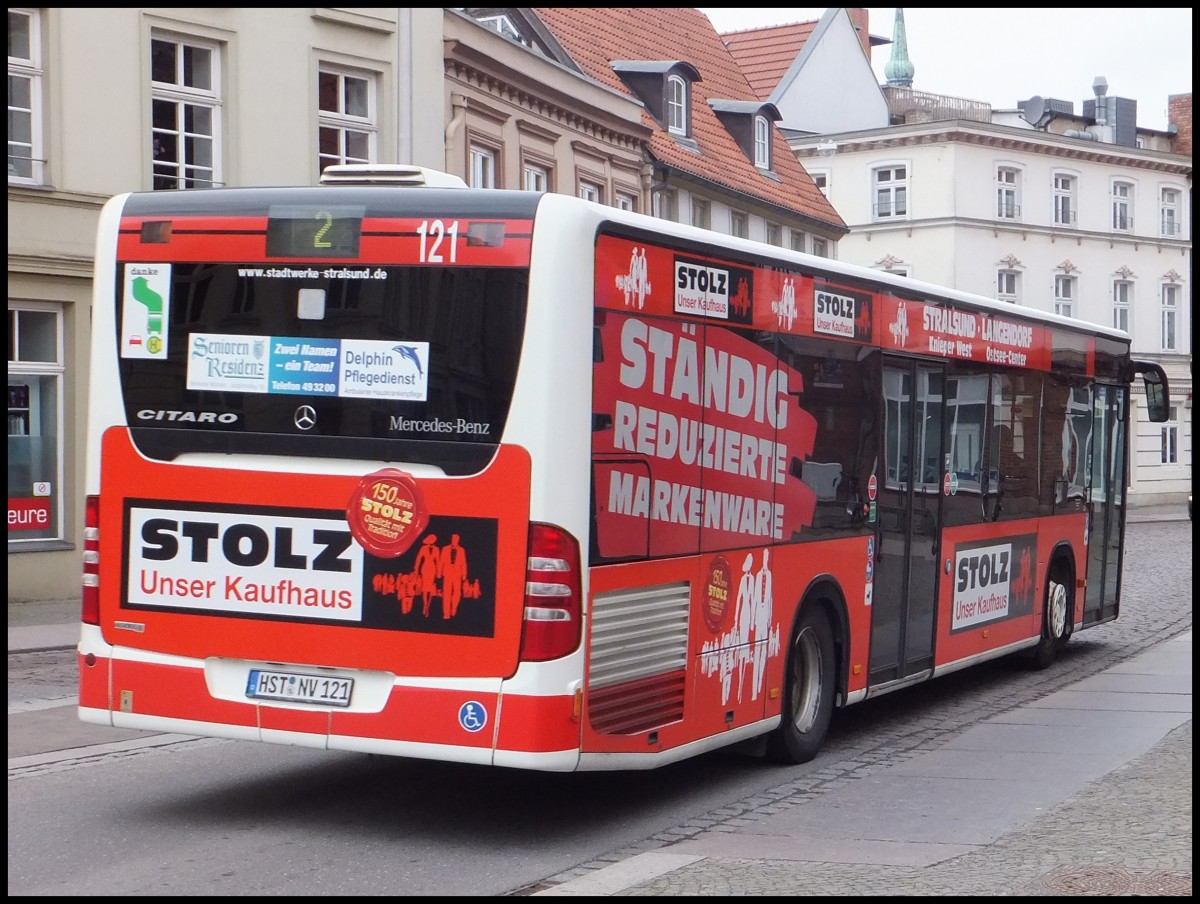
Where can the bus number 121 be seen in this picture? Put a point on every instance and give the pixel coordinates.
(432, 235)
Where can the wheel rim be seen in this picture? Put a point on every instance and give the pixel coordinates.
(806, 680)
(1056, 613)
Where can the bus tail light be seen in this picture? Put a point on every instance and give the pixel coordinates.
(90, 611)
(553, 619)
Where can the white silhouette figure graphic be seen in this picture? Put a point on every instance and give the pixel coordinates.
(785, 307)
(635, 285)
(764, 613)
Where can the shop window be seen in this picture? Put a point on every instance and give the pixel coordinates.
(35, 374)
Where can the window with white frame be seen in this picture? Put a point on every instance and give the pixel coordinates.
(700, 213)
(1169, 212)
(1064, 199)
(1170, 437)
(891, 192)
(35, 434)
(762, 142)
(798, 240)
(820, 246)
(821, 180)
(25, 158)
(1008, 284)
(1008, 193)
(348, 124)
(185, 87)
(591, 191)
(677, 102)
(666, 205)
(1122, 206)
(774, 234)
(739, 224)
(1170, 316)
(1122, 301)
(535, 178)
(482, 166)
(1064, 294)
(623, 200)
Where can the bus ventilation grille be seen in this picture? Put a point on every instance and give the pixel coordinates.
(638, 660)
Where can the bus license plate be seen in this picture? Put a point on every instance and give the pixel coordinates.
(294, 687)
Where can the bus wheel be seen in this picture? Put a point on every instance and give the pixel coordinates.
(1054, 623)
(808, 690)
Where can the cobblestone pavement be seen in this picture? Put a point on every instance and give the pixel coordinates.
(1124, 834)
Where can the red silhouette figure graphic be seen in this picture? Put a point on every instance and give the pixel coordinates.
(428, 567)
(407, 586)
(862, 323)
(741, 301)
(454, 576)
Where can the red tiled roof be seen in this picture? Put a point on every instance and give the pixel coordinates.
(596, 36)
(766, 54)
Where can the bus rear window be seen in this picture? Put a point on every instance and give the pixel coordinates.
(392, 363)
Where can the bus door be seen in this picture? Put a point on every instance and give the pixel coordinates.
(908, 521)
(1106, 504)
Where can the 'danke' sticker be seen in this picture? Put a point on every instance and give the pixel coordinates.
(387, 512)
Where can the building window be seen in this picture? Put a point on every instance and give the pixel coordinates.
(623, 200)
(739, 224)
(1122, 206)
(535, 178)
(483, 167)
(25, 158)
(35, 435)
(666, 205)
(820, 246)
(1008, 284)
(821, 180)
(1064, 295)
(700, 214)
(348, 124)
(1170, 315)
(891, 193)
(798, 241)
(677, 105)
(185, 113)
(1064, 199)
(762, 142)
(590, 191)
(774, 234)
(1169, 212)
(1170, 437)
(1122, 297)
(1008, 200)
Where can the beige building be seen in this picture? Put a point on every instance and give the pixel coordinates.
(108, 100)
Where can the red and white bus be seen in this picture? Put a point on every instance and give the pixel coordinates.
(516, 479)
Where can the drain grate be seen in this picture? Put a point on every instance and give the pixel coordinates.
(1102, 880)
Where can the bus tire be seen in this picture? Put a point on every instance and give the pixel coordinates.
(808, 690)
(1055, 616)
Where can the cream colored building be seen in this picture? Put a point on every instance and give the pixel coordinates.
(108, 100)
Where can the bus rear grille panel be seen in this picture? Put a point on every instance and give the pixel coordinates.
(638, 662)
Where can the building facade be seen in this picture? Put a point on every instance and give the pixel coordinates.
(103, 101)
(1064, 222)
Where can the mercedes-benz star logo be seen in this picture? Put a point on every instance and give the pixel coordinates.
(306, 417)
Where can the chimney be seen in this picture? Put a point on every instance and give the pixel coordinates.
(860, 19)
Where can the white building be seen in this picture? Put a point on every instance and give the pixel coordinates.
(1078, 212)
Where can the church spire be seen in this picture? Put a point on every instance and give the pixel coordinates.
(899, 71)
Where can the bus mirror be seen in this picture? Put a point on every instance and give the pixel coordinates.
(1157, 394)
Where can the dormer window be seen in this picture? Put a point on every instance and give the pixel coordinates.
(762, 143)
(751, 123)
(665, 87)
(677, 104)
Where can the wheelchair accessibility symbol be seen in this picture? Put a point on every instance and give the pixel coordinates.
(472, 716)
